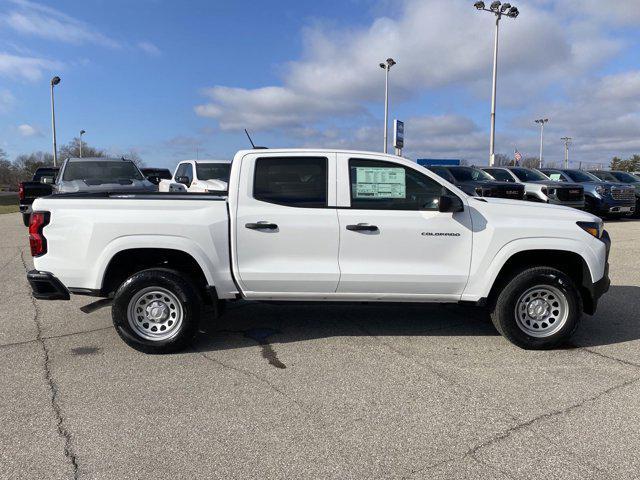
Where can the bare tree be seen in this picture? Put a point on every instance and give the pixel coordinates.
(530, 162)
(132, 155)
(502, 160)
(72, 150)
(27, 164)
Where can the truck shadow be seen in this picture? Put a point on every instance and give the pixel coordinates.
(246, 324)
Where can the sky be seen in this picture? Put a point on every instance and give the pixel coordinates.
(175, 80)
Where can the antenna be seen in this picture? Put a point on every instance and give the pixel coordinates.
(249, 137)
(252, 144)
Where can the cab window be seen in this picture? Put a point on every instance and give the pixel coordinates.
(499, 174)
(292, 181)
(379, 185)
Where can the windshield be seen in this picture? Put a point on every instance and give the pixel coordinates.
(469, 174)
(101, 172)
(213, 171)
(625, 177)
(529, 175)
(580, 176)
(500, 174)
(606, 176)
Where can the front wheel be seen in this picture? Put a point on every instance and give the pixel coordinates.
(540, 308)
(26, 219)
(156, 311)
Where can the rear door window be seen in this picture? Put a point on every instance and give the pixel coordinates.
(292, 181)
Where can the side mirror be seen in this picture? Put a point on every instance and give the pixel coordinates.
(450, 204)
(183, 180)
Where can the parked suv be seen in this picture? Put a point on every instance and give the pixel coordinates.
(601, 198)
(539, 188)
(475, 182)
(627, 178)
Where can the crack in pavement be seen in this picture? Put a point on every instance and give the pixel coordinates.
(52, 337)
(53, 387)
(608, 357)
(472, 452)
(255, 376)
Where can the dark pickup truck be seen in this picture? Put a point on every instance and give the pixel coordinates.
(477, 183)
(40, 185)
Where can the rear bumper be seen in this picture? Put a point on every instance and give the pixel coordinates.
(45, 286)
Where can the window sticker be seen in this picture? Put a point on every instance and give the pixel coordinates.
(380, 182)
(555, 176)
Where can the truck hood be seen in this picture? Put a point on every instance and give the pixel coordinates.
(211, 185)
(82, 186)
(553, 184)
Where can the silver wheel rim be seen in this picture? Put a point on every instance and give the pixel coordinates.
(155, 314)
(542, 311)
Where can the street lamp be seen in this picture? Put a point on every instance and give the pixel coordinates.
(499, 10)
(567, 142)
(54, 81)
(82, 132)
(541, 122)
(386, 66)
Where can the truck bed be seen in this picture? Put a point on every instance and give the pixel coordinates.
(86, 230)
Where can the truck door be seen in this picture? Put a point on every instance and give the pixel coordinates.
(286, 232)
(394, 241)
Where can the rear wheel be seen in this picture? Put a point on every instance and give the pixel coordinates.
(26, 219)
(539, 308)
(156, 311)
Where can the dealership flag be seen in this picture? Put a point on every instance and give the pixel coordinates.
(517, 156)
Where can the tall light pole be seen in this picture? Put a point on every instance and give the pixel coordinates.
(82, 132)
(567, 142)
(54, 81)
(541, 122)
(386, 66)
(499, 10)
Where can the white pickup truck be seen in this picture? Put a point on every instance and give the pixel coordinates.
(198, 176)
(320, 225)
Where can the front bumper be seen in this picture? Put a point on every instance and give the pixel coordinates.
(606, 204)
(45, 286)
(598, 289)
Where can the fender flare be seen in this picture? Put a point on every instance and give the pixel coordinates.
(167, 242)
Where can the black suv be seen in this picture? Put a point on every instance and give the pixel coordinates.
(474, 181)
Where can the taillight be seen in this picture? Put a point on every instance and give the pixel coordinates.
(21, 191)
(37, 242)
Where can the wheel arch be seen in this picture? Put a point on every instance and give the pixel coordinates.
(569, 262)
(128, 261)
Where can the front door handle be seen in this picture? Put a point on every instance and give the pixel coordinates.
(261, 226)
(363, 227)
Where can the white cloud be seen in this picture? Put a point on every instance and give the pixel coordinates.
(149, 48)
(29, 68)
(267, 108)
(27, 130)
(31, 18)
(550, 61)
(7, 100)
(437, 43)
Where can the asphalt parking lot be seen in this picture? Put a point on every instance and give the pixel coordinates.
(317, 391)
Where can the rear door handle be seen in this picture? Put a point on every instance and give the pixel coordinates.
(261, 226)
(363, 227)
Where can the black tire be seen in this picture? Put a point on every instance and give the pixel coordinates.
(504, 316)
(26, 219)
(189, 305)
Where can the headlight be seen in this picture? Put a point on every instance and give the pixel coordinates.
(592, 228)
(602, 190)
